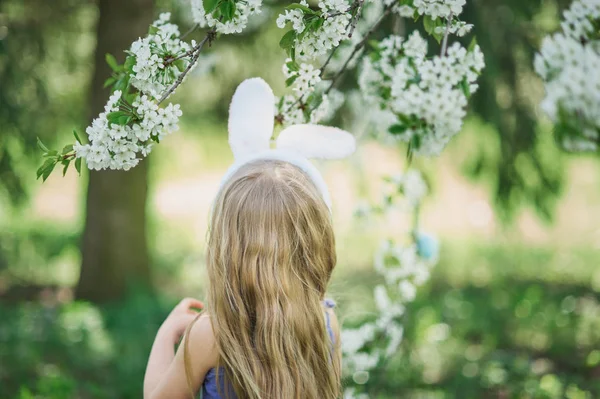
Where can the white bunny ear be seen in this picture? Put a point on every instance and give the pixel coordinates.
(251, 118)
(317, 141)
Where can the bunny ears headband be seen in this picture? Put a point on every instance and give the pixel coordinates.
(251, 120)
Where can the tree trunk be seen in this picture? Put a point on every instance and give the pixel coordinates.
(115, 251)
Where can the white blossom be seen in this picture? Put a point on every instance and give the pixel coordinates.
(117, 146)
(439, 8)
(569, 63)
(354, 339)
(428, 96)
(334, 20)
(405, 11)
(407, 290)
(151, 72)
(243, 10)
(306, 79)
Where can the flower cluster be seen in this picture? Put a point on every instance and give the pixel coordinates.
(438, 8)
(117, 137)
(428, 97)
(569, 63)
(154, 70)
(404, 268)
(302, 105)
(226, 16)
(314, 33)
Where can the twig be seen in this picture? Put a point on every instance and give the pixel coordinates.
(358, 6)
(192, 29)
(445, 42)
(192, 51)
(355, 18)
(353, 6)
(210, 35)
(357, 48)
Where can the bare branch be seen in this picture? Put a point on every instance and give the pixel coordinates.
(445, 42)
(355, 18)
(210, 35)
(358, 47)
(190, 31)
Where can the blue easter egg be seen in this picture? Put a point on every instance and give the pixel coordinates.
(428, 247)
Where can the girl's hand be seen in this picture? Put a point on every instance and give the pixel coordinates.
(180, 317)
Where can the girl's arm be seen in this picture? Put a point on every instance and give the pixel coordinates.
(165, 374)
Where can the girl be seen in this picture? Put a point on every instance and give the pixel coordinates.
(268, 331)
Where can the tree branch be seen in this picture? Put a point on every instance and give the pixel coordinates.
(358, 6)
(445, 42)
(355, 18)
(190, 31)
(186, 54)
(358, 47)
(210, 35)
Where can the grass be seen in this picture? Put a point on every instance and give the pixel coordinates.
(511, 331)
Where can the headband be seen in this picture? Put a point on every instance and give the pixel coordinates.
(251, 122)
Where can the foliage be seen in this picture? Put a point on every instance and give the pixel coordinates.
(568, 63)
(43, 48)
(462, 339)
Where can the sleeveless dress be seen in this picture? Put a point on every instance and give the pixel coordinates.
(209, 386)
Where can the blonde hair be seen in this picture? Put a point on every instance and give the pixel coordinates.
(271, 253)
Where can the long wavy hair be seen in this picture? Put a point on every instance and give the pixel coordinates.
(271, 252)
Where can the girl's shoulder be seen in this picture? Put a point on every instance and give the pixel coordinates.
(202, 340)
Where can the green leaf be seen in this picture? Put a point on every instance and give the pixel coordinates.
(293, 66)
(115, 117)
(438, 37)
(305, 9)
(131, 97)
(397, 129)
(315, 24)
(47, 168)
(66, 167)
(112, 62)
(287, 41)
(210, 5)
(227, 9)
(67, 149)
(473, 44)
(429, 24)
(123, 120)
(44, 166)
(464, 85)
(109, 81)
(76, 136)
(290, 80)
(121, 84)
(374, 44)
(78, 165)
(152, 30)
(180, 64)
(416, 142)
(130, 62)
(42, 146)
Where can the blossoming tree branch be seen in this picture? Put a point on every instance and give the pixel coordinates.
(322, 42)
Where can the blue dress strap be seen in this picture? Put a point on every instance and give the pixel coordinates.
(329, 304)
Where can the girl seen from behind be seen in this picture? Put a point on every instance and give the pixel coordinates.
(268, 330)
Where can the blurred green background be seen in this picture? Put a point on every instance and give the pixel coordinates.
(90, 266)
